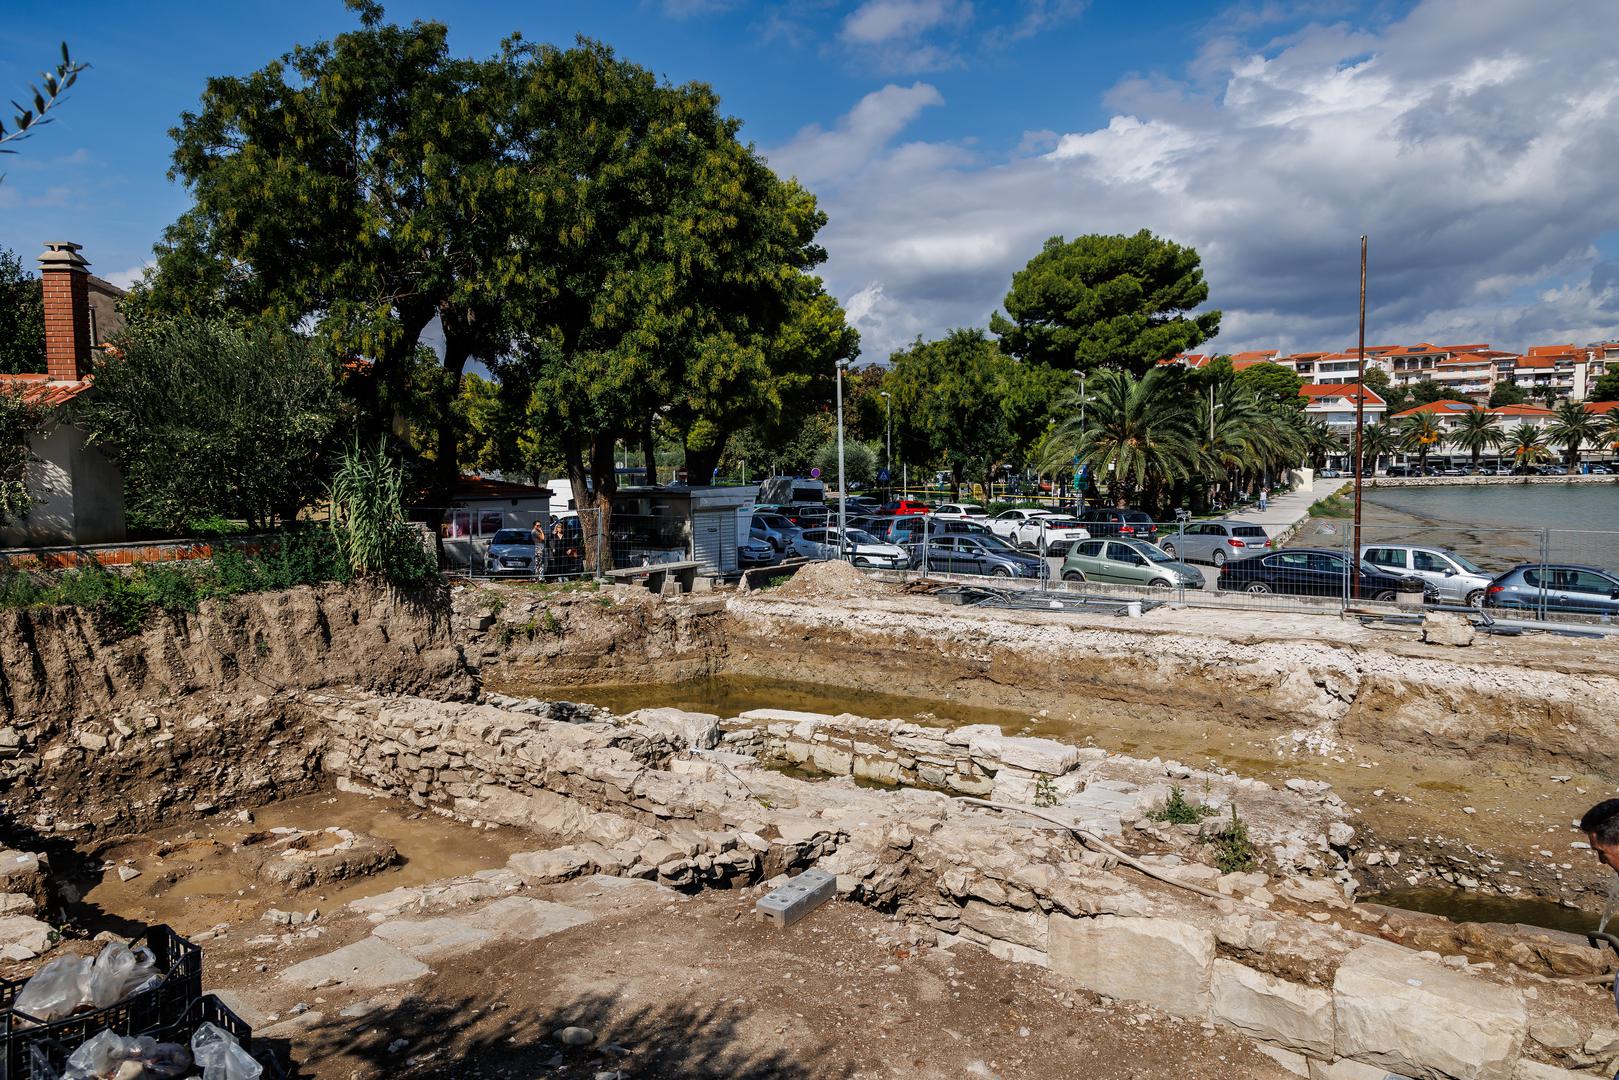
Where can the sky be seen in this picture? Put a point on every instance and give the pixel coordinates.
(1476, 142)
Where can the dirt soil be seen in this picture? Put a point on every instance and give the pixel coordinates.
(693, 988)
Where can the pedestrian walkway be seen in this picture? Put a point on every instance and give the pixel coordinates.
(1287, 510)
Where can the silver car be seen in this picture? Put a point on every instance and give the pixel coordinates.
(1217, 542)
(1458, 579)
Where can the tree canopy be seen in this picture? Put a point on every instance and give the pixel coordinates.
(22, 318)
(1122, 302)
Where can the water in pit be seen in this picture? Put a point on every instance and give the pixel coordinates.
(204, 881)
(1460, 906)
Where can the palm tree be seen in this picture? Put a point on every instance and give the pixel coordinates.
(1572, 429)
(1377, 440)
(1321, 441)
(1526, 443)
(1609, 436)
(1139, 433)
(1422, 433)
(1475, 431)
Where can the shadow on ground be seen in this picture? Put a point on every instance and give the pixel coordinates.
(471, 1039)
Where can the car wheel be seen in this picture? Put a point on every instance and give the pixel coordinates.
(861, 560)
(1073, 575)
(1159, 583)
(1001, 571)
(1385, 597)
(1169, 549)
(1257, 587)
(1475, 598)
(1219, 558)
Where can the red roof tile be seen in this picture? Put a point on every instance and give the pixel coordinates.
(1343, 390)
(1448, 407)
(1521, 410)
(1601, 407)
(38, 389)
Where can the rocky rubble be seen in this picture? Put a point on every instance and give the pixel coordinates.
(1284, 958)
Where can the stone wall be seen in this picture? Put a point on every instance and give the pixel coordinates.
(1285, 960)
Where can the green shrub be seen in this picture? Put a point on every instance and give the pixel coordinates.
(368, 519)
(1045, 793)
(1178, 810)
(1233, 850)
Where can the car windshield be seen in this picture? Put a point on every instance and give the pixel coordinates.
(858, 536)
(1467, 564)
(512, 536)
(1060, 523)
(993, 543)
(1367, 568)
(969, 508)
(1156, 554)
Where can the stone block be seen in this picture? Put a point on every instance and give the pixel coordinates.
(690, 730)
(426, 939)
(829, 759)
(524, 919)
(1534, 1070)
(1026, 928)
(1347, 1070)
(550, 867)
(1296, 1017)
(368, 964)
(1423, 1020)
(1165, 963)
(23, 933)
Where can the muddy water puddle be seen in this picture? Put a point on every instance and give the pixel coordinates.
(202, 876)
(1459, 906)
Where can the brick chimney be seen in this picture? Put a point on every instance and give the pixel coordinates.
(64, 278)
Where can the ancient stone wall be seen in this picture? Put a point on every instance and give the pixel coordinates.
(1285, 960)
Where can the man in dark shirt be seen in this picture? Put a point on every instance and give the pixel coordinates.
(1601, 827)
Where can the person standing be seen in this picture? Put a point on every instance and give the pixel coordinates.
(1264, 498)
(1601, 828)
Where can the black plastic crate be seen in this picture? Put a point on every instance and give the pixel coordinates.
(47, 1057)
(168, 1003)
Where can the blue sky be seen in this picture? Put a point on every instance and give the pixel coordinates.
(1472, 138)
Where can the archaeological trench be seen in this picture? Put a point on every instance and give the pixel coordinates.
(985, 784)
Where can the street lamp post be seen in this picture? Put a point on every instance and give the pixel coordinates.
(843, 487)
(888, 452)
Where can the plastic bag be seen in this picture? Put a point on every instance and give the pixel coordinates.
(56, 990)
(118, 972)
(110, 1056)
(221, 1057)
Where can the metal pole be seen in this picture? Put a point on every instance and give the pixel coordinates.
(1360, 423)
(843, 492)
(888, 453)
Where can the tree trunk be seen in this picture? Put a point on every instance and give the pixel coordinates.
(700, 464)
(649, 453)
(599, 555)
(446, 462)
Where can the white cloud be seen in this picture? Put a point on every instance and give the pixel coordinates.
(1472, 139)
(125, 278)
(877, 22)
(816, 154)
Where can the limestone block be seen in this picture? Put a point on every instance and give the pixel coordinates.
(549, 867)
(368, 964)
(1297, 1064)
(689, 730)
(1534, 1070)
(426, 939)
(23, 933)
(1165, 963)
(878, 769)
(1036, 755)
(829, 759)
(1424, 1020)
(1347, 1070)
(1026, 928)
(1276, 1010)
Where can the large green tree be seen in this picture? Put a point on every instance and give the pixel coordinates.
(670, 257)
(212, 418)
(1606, 388)
(360, 182)
(1573, 428)
(1096, 302)
(948, 404)
(22, 318)
(1272, 385)
(1507, 393)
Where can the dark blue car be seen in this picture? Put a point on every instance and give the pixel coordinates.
(1314, 572)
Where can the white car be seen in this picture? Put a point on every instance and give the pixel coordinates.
(1048, 534)
(1007, 522)
(862, 548)
(961, 512)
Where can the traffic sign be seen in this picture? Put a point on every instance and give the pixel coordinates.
(882, 476)
(815, 473)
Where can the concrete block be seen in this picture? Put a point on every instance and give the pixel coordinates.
(1423, 1020)
(1165, 963)
(1276, 1010)
(797, 898)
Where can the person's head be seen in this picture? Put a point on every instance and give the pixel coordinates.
(1601, 827)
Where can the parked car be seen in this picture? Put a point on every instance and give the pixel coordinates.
(511, 551)
(1560, 587)
(1119, 561)
(1458, 579)
(1313, 572)
(965, 511)
(1216, 542)
(903, 530)
(862, 548)
(755, 552)
(1599, 470)
(758, 530)
(1330, 474)
(780, 530)
(966, 554)
(904, 506)
(807, 515)
(1047, 534)
(1005, 523)
(1129, 523)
